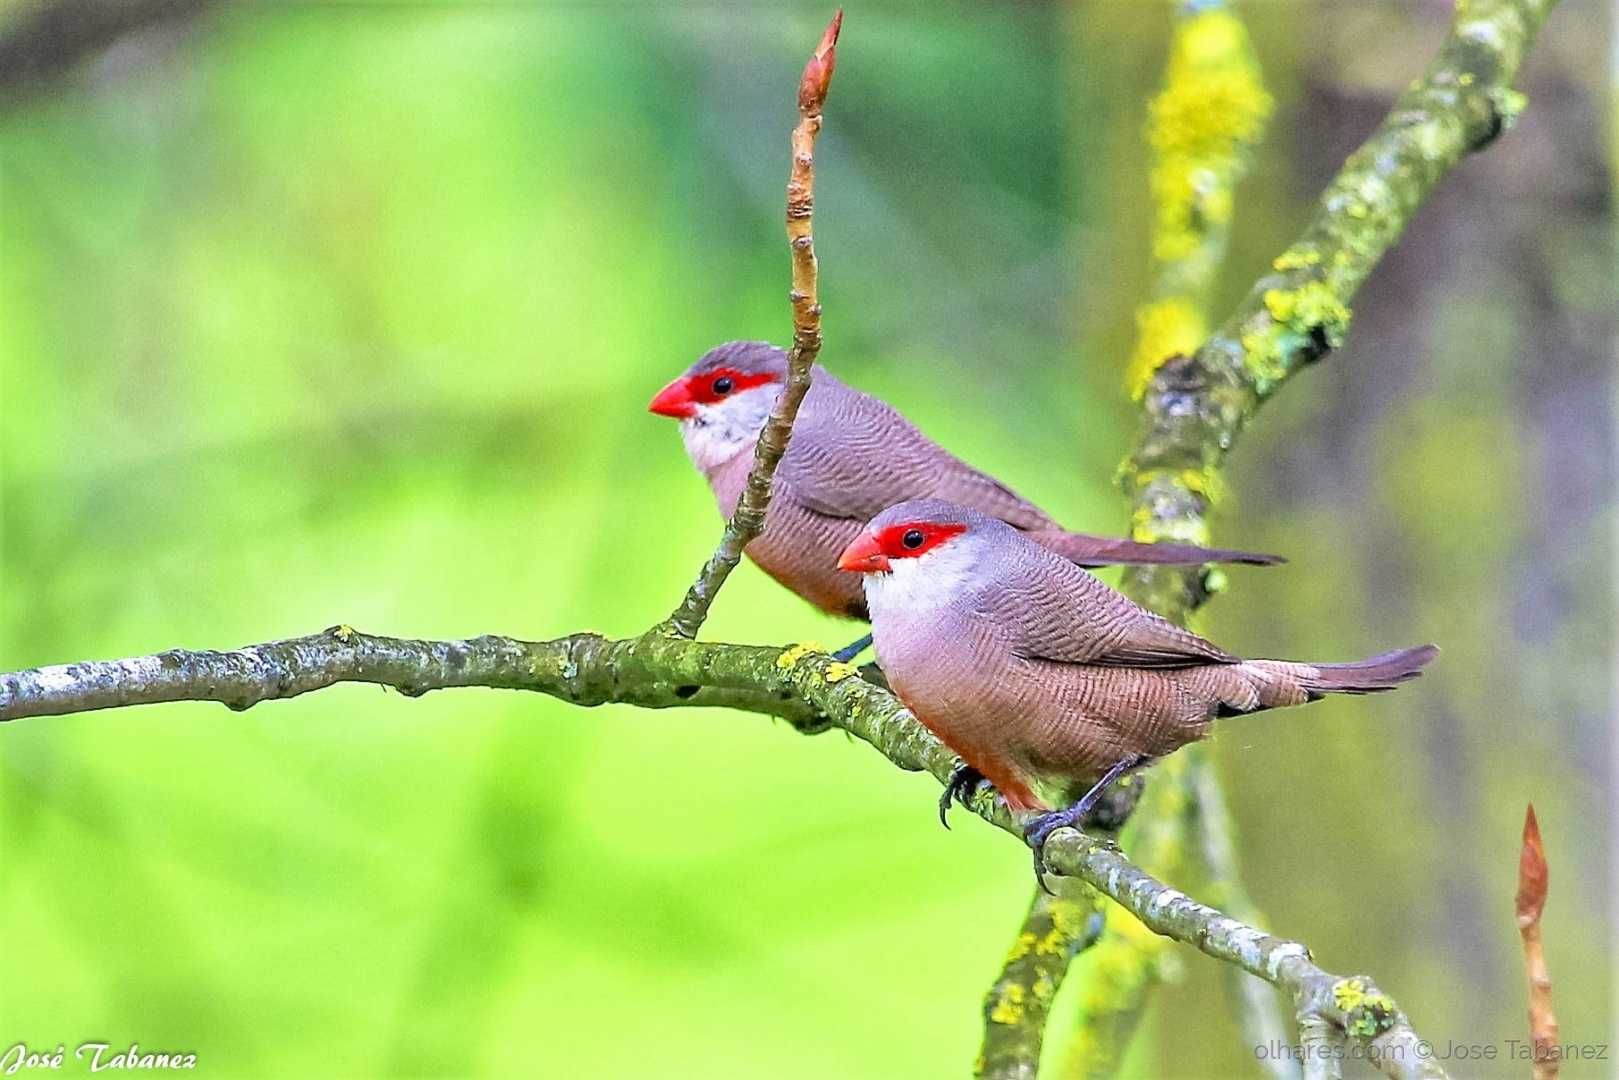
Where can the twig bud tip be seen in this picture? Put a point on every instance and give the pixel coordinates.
(1532, 871)
(817, 78)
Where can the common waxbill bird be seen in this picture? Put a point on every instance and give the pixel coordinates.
(1042, 678)
(850, 456)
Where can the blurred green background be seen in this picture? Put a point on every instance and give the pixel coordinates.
(349, 313)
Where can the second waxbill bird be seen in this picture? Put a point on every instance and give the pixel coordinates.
(1045, 681)
(850, 456)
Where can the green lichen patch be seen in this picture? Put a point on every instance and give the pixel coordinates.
(1024, 944)
(1367, 1012)
(1310, 305)
(1069, 917)
(1303, 321)
(1507, 103)
(1296, 258)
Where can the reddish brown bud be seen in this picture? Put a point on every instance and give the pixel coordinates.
(818, 72)
(1532, 877)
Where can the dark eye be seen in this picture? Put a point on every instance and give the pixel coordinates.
(723, 385)
(912, 538)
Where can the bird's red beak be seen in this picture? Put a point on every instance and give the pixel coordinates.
(863, 556)
(674, 400)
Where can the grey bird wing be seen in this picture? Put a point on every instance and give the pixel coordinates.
(1053, 610)
(853, 456)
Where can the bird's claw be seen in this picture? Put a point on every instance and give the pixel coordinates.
(1038, 831)
(964, 780)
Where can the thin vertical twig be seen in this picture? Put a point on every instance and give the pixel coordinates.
(748, 520)
(1127, 959)
(1531, 901)
(1259, 1009)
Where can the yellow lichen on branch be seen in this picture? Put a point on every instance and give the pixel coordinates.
(1201, 128)
(1057, 926)
(1168, 326)
(1212, 110)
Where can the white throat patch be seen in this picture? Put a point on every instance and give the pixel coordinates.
(721, 431)
(923, 583)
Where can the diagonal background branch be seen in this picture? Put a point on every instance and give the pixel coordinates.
(1195, 407)
(1258, 1010)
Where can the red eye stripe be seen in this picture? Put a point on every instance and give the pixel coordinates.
(702, 387)
(933, 533)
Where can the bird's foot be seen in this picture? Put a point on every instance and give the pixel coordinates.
(852, 650)
(962, 785)
(1039, 830)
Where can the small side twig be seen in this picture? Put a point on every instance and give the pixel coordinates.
(1322, 1048)
(748, 521)
(1127, 961)
(1259, 1009)
(1531, 901)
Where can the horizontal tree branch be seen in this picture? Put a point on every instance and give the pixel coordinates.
(587, 669)
(563, 668)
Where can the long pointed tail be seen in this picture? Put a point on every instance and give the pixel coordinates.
(1272, 684)
(1383, 672)
(1094, 551)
